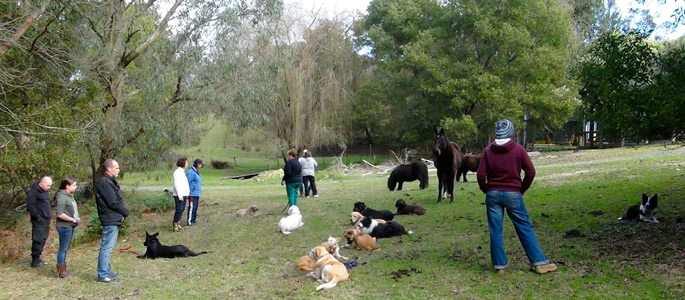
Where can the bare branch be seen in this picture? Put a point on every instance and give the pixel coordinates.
(128, 58)
(45, 29)
(22, 29)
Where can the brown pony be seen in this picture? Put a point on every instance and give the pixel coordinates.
(447, 160)
(469, 162)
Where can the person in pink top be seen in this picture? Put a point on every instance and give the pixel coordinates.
(499, 177)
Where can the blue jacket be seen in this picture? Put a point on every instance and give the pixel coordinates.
(195, 182)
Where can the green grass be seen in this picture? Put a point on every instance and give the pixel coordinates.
(581, 191)
(222, 145)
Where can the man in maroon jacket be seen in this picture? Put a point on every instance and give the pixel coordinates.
(499, 177)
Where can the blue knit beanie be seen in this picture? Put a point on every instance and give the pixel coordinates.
(504, 129)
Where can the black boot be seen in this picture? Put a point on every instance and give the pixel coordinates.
(36, 262)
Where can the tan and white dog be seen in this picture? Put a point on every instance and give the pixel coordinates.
(327, 268)
(247, 211)
(359, 240)
(356, 217)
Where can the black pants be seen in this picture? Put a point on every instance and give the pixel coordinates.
(39, 234)
(180, 207)
(309, 183)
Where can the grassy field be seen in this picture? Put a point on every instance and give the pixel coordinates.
(574, 203)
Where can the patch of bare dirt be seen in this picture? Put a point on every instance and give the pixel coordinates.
(645, 243)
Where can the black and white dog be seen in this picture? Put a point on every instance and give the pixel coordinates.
(385, 214)
(643, 212)
(373, 228)
(156, 250)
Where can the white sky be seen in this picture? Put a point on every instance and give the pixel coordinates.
(336, 6)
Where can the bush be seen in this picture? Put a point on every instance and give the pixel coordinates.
(93, 229)
(158, 202)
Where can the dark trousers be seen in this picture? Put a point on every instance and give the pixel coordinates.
(193, 202)
(39, 234)
(309, 184)
(180, 207)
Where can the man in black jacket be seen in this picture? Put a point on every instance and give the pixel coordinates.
(112, 213)
(38, 205)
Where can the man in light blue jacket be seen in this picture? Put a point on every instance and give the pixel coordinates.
(195, 183)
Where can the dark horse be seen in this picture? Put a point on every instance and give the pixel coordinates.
(417, 170)
(469, 162)
(447, 160)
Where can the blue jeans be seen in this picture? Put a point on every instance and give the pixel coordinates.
(180, 207)
(65, 234)
(496, 202)
(109, 240)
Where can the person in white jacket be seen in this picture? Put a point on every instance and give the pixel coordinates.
(181, 191)
(308, 169)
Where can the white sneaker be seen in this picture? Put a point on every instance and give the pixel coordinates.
(316, 196)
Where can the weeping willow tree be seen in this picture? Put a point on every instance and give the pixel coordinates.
(316, 89)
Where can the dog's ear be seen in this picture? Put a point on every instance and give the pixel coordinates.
(146, 234)
(654, 200)
(156, 234)
(644, 199)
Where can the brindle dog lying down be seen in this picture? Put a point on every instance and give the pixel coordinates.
(156, 250)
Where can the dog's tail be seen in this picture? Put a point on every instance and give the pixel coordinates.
(200, 253)
(329, 285)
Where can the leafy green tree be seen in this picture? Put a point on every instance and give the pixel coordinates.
(465, 64)
(155, 77)
(44, 107)
(632, 88)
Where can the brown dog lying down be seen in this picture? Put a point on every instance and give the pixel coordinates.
(305, 264)
(408, 209)
(359, 240)
(356, 217)
(327, 268)
(247, 211)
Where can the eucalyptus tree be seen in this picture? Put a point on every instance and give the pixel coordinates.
(157, 73)
(44, 108)
(463, 64)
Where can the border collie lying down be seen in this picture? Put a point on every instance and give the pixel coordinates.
(645, 212)
(378, 230)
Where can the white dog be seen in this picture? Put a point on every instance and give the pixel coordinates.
(293, 221)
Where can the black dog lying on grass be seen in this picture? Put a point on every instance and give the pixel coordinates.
(156, 250)
(361, 207)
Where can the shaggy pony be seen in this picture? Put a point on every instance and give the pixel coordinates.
(417, 170)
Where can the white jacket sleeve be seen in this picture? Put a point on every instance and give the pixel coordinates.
(181, 187)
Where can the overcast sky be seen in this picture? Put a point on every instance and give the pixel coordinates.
(335, 6)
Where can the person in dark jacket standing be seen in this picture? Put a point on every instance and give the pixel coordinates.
(112, 213)
(292, 177)
(499, 177)
(38, 205)
(195, 185)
